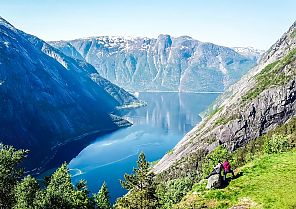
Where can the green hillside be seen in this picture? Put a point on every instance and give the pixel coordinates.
(266, 182)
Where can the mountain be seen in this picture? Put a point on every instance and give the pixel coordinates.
(49, 99)
(122, 97)
(162, 64)
(261, 101)
(250, 52)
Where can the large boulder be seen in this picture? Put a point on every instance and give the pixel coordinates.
(214, 181)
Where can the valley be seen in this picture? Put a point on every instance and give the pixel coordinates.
(93, 118)
(156, 129)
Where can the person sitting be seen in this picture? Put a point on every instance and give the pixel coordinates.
(227, 169)
(217, 170)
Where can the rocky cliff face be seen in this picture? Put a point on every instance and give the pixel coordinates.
(83, 68)
(259, 102)
(165, 63)
(49, 99)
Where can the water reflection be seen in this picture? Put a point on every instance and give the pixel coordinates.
(157, 128)
(172, 112)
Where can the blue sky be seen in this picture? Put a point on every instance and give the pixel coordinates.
(257, 23)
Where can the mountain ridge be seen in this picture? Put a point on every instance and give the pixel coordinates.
(262, 100)
(164, 64)
(49, 98)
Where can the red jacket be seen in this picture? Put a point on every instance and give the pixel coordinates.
(226, 166)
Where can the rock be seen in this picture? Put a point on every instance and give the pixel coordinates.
(214, 181)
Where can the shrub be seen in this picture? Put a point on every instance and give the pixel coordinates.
(173, 191)
(276, 144)
(248, 152)
(200, 186)
(219, 154)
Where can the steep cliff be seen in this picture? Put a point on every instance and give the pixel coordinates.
(85, 69)
(262, 100)
(49, 99)
(164, 64)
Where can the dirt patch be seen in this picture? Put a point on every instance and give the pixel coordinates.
(245, 203)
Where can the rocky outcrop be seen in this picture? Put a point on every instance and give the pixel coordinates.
(214, 182)
(49, 99)
(165, 63)
(259, 102)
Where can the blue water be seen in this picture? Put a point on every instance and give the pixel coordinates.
(156, 129)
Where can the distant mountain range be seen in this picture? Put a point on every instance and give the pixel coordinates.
(49, 99)
(162, 64)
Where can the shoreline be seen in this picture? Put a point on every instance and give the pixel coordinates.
(81, 140)
(133, 105)
(69, 149)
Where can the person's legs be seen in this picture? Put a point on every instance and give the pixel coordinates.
(232, 173)
(225, 173)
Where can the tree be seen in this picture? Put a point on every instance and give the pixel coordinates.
(25, 193)
(141, 187)
(19, 194)
(10, 173)
(172, 192)
(102, 198)
(60, 193)
(81, 186)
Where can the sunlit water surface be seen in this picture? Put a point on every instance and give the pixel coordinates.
(157, 128)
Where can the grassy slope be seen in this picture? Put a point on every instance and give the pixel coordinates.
(267, 182)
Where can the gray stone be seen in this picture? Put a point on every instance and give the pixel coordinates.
(214, 181)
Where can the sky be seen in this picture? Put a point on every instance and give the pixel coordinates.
(256, 23)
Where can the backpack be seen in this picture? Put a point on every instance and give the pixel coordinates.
(226, 166)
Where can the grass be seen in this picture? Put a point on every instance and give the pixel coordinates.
(266, 182)
(170, 152)
(218, 109)
(270, 76)
(224, 121)
(153, 163)
(245, 157)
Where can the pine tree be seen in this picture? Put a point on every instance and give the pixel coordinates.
(25, 193)
(141, 187)
(81, 186)
(102, 198)
(10, 173)
(60, 193)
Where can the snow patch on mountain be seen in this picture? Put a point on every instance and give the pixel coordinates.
(162, 64)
